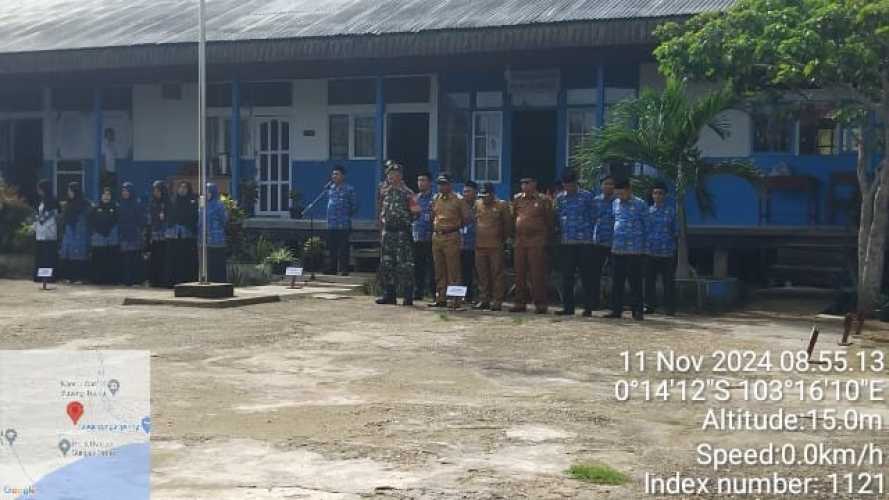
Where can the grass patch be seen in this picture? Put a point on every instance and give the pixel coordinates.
(444, 316)
(597, 474)
(518, 320)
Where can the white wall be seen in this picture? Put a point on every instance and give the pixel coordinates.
(310, 113)
(164, 130)
(740, 128)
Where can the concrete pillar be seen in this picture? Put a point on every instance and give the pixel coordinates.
(720, 263)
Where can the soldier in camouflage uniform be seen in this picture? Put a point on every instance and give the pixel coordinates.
(397, 208)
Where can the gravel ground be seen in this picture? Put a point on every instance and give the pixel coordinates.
(344, 399)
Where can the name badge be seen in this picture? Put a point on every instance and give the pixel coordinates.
(293, 271)
(456, 291)
(44, 272)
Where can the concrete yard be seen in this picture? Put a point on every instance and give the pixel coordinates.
(344, 399)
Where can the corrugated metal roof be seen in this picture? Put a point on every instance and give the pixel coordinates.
(51, 25)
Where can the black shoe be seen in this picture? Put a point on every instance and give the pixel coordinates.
(587, 313)
(387, 300)
(496, 307)
(638, 315)
(344, 273)
(408, 301)
(649, 310)
(418, 296)
(482, 306)
(437, 304)
(612, 315)
(518, 309)
(541, 310)
(564, 312)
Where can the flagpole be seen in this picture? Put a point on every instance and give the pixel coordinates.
(202, 136)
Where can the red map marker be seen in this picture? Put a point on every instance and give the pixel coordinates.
(75, 411)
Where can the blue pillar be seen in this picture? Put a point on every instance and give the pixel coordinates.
(506, 146)
(600, 85)
(93, 190)
(562, 133)
(234, 153)
(380, 129)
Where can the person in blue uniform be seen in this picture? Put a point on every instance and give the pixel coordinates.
(575, 216)
(467, 242)
(181, 251)
(603, 229)
(421, 231)
(217, 218)
(46, 230)
(628, 250)
(158, 211)
(131, 224)
(74, 251)
(105, 240)
(342, 205)
(661, 249)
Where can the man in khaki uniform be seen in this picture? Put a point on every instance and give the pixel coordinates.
(533, 215)
(449, 214)
(493, 227)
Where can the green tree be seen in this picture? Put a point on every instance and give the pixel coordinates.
(838, 46)
(665, 135)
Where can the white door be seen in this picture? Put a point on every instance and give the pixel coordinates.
(273, 166)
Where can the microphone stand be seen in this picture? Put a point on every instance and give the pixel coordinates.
(306, 212)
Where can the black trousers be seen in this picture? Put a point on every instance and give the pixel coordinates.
(216, 267)
(600, 255)
(467, 269)
(106, 265)
(73, 270)
(626, 268)
(182, 261)
(424, 270)
(572, 258)
(338, 245)
(131, 267)
(664, 267)
(157, 262)
(46, 254)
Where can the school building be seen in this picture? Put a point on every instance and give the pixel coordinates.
(490, 90)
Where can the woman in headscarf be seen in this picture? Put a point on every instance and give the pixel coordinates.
(131, 222)
(217, 218)
(74, 252)
(182, 256)
(159, 210)
(105, 240)
(46, 230)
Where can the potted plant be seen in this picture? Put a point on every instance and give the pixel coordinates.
(279, 259)
(296, 205)
(313, 253)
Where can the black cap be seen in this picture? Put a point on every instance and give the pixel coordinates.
(659, 185)
(487, 188)
(569, 176)
(622, 184)
(471, 184)
(443, 179)
(527, 179)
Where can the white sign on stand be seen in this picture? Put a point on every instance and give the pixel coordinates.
(293, 271)
(456, 291)
(44, 272)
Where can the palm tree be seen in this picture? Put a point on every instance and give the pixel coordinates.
(667, 128)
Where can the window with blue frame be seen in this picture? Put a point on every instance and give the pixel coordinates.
(818, 131)
(581, 122)
(455, 129)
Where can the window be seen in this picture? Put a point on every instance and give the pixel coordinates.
(818, 133)
(219, 143)
(339, 137)
(614, 96)
(351, 91)
(455, 128)
(581, 123)
(68, 171)
(365, 137)
(850, 137)
(772, 132)
(266, 94)
(489, 99)
(21, 100)
(361, 129)
(486, 150)
(406, 89)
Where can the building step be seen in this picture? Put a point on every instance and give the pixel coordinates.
(807, 275)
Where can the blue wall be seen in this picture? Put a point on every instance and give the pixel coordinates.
(737, 201)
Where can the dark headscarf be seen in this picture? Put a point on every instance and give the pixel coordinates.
(75, 207)
(159, 206)
(184, 209)
(130, 214)
(49, 200)
(104, 216)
